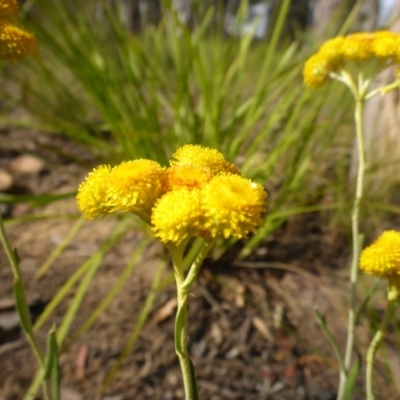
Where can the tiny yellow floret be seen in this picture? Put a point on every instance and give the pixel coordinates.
(177, 216)
(233, 206)
(15, 43)
(382, 257)
(9, 10)
(92, 197)
(204, 157)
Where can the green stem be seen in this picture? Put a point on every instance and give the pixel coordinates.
(393, 297)
(183, 286)
(21, 303)
(181, 334)
(359, 110)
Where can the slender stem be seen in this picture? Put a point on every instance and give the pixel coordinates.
(360, 100)
(21, 302)
(181, 334)
(376, 341)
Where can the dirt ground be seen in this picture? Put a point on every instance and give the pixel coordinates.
(252, 330)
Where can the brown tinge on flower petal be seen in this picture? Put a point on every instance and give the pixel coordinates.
(15, 43)
(203, 157)
(9, 10)
(177, 216)
(233, 206)
(382, 258)
(187, 176)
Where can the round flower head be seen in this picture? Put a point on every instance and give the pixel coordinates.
(92, 197)
(358, 46)
(9, 10)
(187, 176)
(204, 157)
(232, 206)
(177, 216)
(331, 51)
(316, 71)
(15, 43)
(134, 186)
(387, 45)
(382, 258)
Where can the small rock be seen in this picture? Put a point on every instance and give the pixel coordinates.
(26, 164)
(6, 180)
(70, 394)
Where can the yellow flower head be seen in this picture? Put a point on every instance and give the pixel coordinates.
(387, 45)
(134, 186)
(177, 216)
(382, 258)
(92, 197)
(358, 46)
(316, 71)
(332, 51)
(9, 10)
(189, 176)
(232, 206)
(204, 157)
(15, 43)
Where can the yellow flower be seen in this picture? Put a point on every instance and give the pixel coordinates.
(387, 45)
(9, 10)
(134, 186)
(232, 206)
(316, 71)
(92, 197)
(15, 43)
(382, 258)
(358, 46)
(177, 216)
(332, 52)
(189, 176)
(203, 157)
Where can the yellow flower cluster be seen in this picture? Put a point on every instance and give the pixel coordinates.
(15, 43)
(356, 47)
(199, 194)
(382, 258)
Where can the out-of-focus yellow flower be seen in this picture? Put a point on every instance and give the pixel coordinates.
(177, 216)
(9, 10)
(204, 157)
(387, 45)
(382, 258)
(15, 43)
(92, 197)
(134, 186)
(356, 47)
(189, 176)
(316, 71)
(233, 206)
(332, 51)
